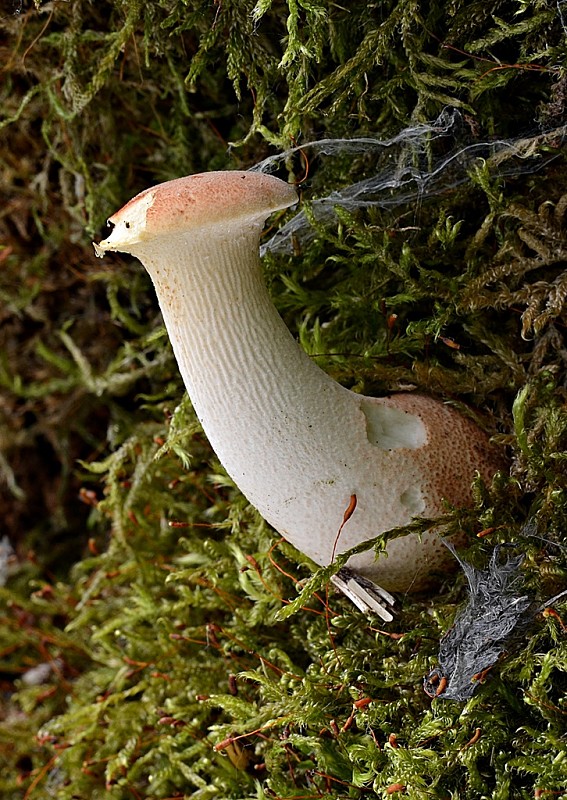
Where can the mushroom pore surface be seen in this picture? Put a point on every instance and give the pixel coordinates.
(298, 445)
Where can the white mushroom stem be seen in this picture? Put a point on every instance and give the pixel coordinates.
(297, 444)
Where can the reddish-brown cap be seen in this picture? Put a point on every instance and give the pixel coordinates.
(197, 201)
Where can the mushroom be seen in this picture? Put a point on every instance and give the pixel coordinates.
(302, 448)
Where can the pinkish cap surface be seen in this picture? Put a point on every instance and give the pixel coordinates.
(207, 198)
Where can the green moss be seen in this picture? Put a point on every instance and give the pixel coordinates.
(178, 663)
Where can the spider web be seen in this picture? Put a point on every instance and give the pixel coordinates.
(420, 162)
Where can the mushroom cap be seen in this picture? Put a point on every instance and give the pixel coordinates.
(196, 202)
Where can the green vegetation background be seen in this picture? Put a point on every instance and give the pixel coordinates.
(143, 650)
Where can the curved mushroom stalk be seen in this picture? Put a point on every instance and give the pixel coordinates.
(297, 444)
